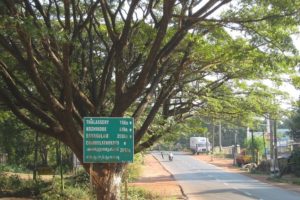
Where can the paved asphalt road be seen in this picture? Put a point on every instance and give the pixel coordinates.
(203, 181)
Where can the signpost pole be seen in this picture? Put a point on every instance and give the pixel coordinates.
(91, 177)
(35, 156)
(61, 168)
(126, 183)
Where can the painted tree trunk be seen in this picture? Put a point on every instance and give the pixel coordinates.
(107, 180)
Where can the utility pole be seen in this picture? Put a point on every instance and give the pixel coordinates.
(271, 146)
(213, 141)
(62, 185)
(35, 156)
(220, 137)
(276, 167)
(264, 141)
(206, 144)
(252, 145)
(235, 148)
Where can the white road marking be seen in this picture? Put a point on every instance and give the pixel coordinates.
(247, 193)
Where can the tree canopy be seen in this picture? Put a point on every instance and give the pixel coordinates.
(293, 122)
(63, 60)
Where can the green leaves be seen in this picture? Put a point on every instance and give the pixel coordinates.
(296, 81)
(257, 145)
(261, 22)
(108, 62)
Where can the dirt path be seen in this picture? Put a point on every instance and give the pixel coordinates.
(158, 180)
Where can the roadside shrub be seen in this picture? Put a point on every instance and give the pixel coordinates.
(13, 168)
(257, 145)
(283, 165)
(10, 182)
(134, 169)
(14, 180)
(296, 182)
(3, 181)
(78, 192)
(14, 186)
(294, 162)
(135, 193)
(264, 166)
(80, 179)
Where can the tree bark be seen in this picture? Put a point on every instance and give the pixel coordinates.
(107, 180)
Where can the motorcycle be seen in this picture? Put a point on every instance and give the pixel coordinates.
(170, 157)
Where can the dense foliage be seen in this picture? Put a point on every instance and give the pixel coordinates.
(293, 122)
(156, 61)
(18, 143)
(257, 145)
(294, 162)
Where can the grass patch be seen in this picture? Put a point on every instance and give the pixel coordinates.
(136, 193)
(290, 180)
(134, 169)
(14, 186)
(13, 168)
(257, 172)
(72, 190)
(75, 188)
(296, 182)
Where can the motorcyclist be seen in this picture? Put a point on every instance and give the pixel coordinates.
(171, 156)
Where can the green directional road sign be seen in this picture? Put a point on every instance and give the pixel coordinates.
(107, 140)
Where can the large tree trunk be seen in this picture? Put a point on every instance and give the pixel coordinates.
(106, 177)
(107, 180)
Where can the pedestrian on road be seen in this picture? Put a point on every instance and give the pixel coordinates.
(162, 155)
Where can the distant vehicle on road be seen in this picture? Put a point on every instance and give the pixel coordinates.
(199, 144)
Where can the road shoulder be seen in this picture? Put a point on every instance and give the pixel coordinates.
(156, 179)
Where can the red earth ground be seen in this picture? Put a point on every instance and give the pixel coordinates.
(158, 180)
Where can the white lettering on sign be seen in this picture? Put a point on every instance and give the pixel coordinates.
(123, 129)
(100, 128)
(97, 121)
(125, 150)
(122, 136)
(124, 122)
(103, 149)
(94, 135)
(102, 157)
(102, 142)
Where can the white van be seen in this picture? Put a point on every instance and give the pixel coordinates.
(199, 144)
